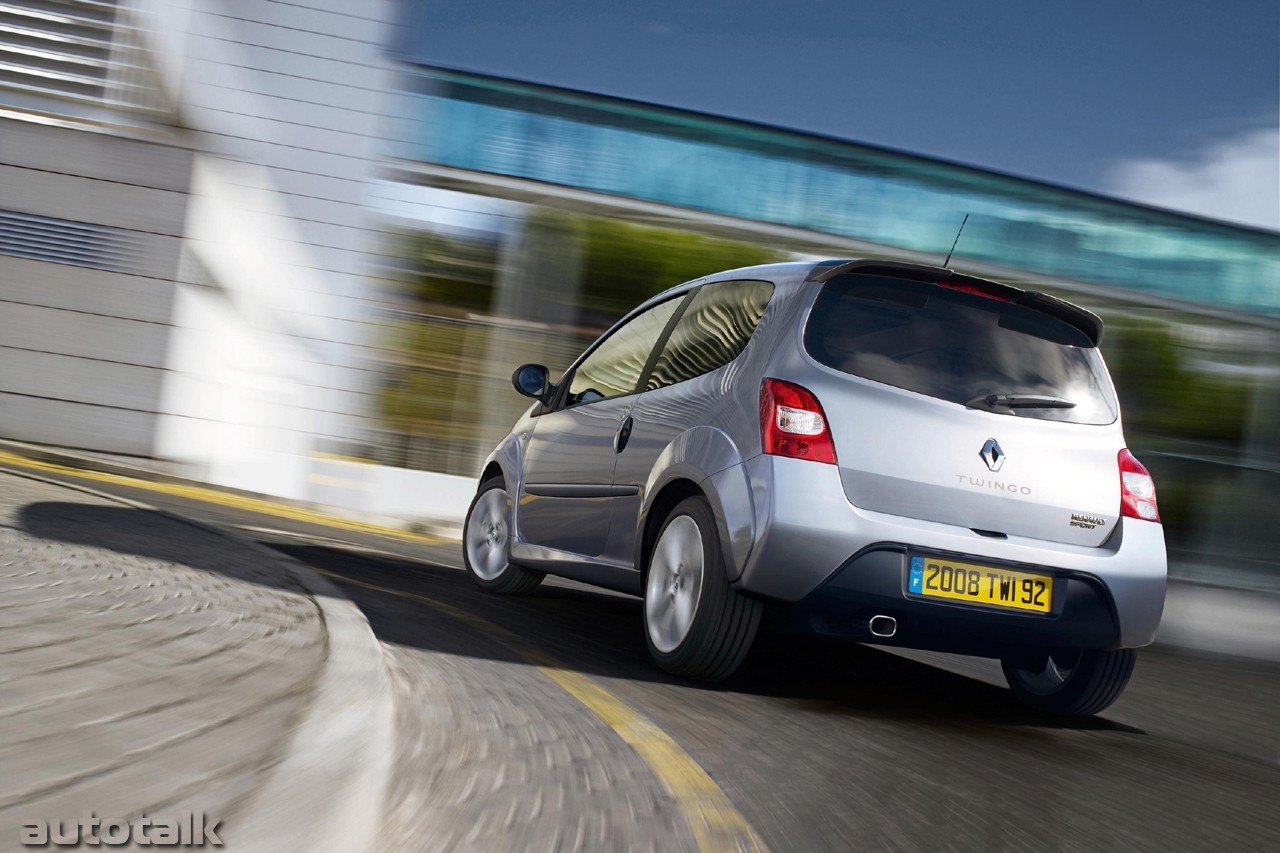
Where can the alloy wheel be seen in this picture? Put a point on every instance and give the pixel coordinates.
(487, 540)
(675, 584)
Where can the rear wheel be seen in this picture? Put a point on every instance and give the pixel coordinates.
(1075, 682)
(695, 623)
(486, 544)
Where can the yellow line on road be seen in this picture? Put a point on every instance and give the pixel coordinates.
(716, 824)
(213, 496)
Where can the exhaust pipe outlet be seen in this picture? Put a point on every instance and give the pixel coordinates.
(883, 626)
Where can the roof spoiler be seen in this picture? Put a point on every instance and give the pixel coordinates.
(827, 270)
(1086, 321)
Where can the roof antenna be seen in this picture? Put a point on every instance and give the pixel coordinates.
(956, 240)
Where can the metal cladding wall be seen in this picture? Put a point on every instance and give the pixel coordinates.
(203, 296)
(90, 234)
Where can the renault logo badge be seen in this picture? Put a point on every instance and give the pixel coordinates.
(992, 454)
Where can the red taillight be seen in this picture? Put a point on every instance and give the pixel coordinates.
(1137, 489)
(792, 423)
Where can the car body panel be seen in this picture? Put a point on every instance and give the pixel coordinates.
(909, 454)
(707, 458)
(909, 479)
(806, 529)
(566, 490)
(508, 456)
(729, 491)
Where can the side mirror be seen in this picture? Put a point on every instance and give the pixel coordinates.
(531, 381)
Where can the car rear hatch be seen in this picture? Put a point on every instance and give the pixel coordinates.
(968, 403)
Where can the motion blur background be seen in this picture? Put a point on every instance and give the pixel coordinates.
(270, 246)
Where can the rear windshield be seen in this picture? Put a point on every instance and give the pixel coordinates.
(960, 347)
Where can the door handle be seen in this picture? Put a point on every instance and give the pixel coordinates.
(623, 435)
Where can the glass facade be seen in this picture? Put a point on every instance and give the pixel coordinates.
(720, 166)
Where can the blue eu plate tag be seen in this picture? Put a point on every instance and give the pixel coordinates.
(915, 581)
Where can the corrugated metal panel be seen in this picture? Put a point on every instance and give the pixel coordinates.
(65, 241)
(56, 48)
(79, 53)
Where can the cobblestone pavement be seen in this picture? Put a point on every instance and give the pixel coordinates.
(821, 747)
(146, 665)
(493, 756)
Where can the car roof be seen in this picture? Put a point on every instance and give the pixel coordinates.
(793, 273)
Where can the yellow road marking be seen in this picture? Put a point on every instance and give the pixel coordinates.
(213, 496)
(716, 824)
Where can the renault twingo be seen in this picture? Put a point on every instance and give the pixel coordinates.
(890, 453)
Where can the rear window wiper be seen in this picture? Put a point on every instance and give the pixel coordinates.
(1018, 401)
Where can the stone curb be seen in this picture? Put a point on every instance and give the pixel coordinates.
(328, 791)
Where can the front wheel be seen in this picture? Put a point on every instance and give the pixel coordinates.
(695, 623)
(1075, 682)
(486, 544)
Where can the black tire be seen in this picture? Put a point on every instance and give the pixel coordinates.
(497, 574)
(724, 623)
(1077, 682)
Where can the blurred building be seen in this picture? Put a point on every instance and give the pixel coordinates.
(197, 199)
(522, 141)
(183, 240)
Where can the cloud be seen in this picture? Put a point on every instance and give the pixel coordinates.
(1236, 179)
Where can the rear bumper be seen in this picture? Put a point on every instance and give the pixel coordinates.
(871, 584)
(834, 561)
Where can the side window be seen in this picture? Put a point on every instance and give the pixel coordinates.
(713, 331)
(614, 367)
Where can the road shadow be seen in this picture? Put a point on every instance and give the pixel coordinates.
(602, 634)
(154, 535)
(597, 633)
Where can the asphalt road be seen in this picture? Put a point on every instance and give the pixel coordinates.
(835, 747)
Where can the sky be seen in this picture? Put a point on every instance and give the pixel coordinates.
(1172, 103)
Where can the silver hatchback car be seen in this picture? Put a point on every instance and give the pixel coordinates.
(882, 452)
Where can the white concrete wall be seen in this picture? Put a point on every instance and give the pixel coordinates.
(380, 491)
(273, 316)
(237, 337)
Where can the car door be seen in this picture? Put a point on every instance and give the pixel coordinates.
(567, 490)
(683, 389)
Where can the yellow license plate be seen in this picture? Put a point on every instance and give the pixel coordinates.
(942, 577)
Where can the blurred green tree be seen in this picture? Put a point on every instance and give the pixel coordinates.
(626, 263)
(1165, 396)
(448, 270)
(434, 352)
